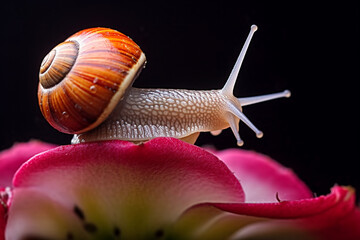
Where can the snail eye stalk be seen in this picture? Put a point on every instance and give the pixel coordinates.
(235, 107)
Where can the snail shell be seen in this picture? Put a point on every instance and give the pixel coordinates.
(93, 69)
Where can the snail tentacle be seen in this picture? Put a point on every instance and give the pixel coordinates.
(234, 107)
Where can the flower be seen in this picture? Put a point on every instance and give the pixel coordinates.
(167, 189)
(10, 161)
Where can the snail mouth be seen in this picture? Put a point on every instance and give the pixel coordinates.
(58, 63)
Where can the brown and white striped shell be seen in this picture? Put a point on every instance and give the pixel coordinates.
(93, 69)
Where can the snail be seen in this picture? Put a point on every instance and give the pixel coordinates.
(85, 89)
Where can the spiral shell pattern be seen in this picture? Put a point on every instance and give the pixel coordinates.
(82, 79)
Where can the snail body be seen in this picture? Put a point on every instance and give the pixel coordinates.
(86, 89)
(148, 113)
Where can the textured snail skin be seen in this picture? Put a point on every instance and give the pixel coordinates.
(83, 78)
(148, 113)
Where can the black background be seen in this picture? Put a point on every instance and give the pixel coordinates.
(311, 49)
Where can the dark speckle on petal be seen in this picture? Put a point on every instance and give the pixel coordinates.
(159, 233)
(90, 227)
(69, 236)
(77, 210)
(117, 232)
(277, 197)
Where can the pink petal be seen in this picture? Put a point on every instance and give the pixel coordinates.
(345, 228)
(339, 221)
(123, 184)
(207, 222)
(334, 213)
(3, 212)
(273, 230)
(327, 217)
(2, 222)
(36, 210)
(262, 178)
(11, 159)
(291, 209)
